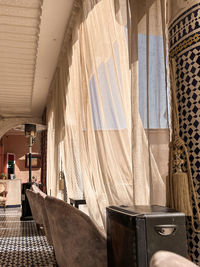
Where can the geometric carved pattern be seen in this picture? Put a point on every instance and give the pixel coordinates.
(186, 51)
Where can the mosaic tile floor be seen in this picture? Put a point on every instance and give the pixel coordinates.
(20, 242)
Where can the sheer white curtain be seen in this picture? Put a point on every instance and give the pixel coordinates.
(51, 155)
(101, 127)
(150, 135)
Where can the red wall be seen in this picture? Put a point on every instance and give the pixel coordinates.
(18, 144)
(1, 156)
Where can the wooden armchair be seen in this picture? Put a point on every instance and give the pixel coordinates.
(3, 194)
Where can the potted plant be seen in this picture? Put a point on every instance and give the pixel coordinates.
(3, 176)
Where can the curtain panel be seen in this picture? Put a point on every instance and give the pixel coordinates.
(94, 118)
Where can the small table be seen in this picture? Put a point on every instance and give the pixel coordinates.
(77, 202)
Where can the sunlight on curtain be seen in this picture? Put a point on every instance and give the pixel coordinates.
(100, 64)
(150, 96)
(51, 169)
(91, 111)
(96, 146)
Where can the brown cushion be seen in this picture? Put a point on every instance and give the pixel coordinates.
(169, 259)
(77, 241)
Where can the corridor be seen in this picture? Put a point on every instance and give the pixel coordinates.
(21, 244)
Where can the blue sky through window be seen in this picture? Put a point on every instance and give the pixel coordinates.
(157, 99)
(109, 78)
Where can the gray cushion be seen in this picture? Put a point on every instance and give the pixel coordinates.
(33, 202)
(42, 208)
(77, 241)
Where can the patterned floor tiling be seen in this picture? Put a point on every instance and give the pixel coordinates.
(20, 242)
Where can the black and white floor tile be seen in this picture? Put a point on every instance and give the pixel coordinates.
(20, 242)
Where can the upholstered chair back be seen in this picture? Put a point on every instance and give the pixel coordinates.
(76, 240)
(41, 199)
(33, 202)
(36, 189)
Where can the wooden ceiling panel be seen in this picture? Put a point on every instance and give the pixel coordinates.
(19, 31)
(31, 35)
